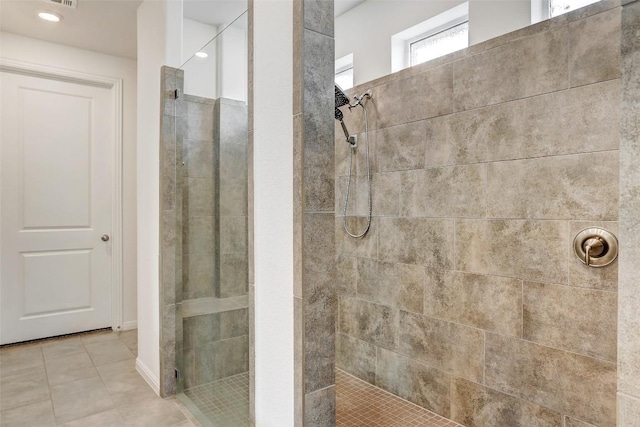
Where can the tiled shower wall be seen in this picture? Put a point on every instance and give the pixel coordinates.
(214, 234)
(465, 297)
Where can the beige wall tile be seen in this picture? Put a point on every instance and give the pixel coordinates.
(444, 345)
(356, 357)
(578, 120)
(233, 275)
(554, 188)
(414, 381)
(430, 94)
(416, 241)
(233, 197)
(320, 408)
(319, 300)
(373, 323)
(200, 121)
(579, 320)
(506, 72)
(198, 235)
(346, 276)
(570, 422)
(594, 48)
(365, 247)
(198, 159)
(530, 250)
(400, 147)
(397, 285)
(199, 197)
(490, 133)
(233, 234)
(474, 405)
(486, 302)
(629, 268)
(456, 191)
(628, 411)
(579, 386)
(385, 192)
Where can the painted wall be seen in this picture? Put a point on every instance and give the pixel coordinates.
(493, 18)
(273, 212)
(159, 43)
(34, 51)
(482, 168)
(200, 74)
(366, 30)
(232, 62)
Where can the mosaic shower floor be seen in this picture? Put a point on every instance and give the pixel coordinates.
(223, 403)
(359, 404)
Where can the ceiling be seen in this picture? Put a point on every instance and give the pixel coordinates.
(342, 6)
(109, 26)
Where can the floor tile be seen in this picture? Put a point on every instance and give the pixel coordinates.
(70, 368)
(38, 414)
(109, 418)
(122, 377)
(224, 402)
(152, 412)
(18, 359)
(23, 389)
(104, 352)
(79, 399)
(130, 339)
(62, 348)
(360, 404)
(99, 336)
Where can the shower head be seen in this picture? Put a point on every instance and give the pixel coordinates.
(341, 99)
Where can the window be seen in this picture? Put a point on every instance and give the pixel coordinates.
(344, 71)
(439, 44)
(437, 36)
(558, 7)
(545, 9)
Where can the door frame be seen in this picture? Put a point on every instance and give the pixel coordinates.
(115, 86)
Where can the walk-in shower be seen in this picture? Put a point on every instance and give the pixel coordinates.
(206, 223)
(341, 100)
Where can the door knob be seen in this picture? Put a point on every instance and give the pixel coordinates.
(105, 238)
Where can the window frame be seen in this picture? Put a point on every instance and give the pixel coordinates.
(541, 10)
(343, 64)
(401, 42)
(448, 26)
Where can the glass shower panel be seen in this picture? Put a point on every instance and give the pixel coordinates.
(212, 322)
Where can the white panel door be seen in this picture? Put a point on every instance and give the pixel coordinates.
(55, 183)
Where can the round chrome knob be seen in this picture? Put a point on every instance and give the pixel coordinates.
(105, 238)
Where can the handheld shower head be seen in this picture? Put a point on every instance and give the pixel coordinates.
(341, 100)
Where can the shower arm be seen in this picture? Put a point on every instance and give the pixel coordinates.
(348, 137)
(351, 139)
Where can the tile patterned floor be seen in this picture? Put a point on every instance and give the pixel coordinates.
(359, 404)
(224, 403)
(81, 381)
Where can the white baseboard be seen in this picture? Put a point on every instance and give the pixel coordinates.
(127, 326)
(148, 376)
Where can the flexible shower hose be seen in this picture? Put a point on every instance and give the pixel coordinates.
(346, 201)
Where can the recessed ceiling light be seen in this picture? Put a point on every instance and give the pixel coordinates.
(50, 16)
(202, 54)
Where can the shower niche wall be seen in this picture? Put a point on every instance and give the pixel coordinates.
(210, 323)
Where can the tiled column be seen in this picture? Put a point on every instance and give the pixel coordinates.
(314, 265)
(629, 270)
